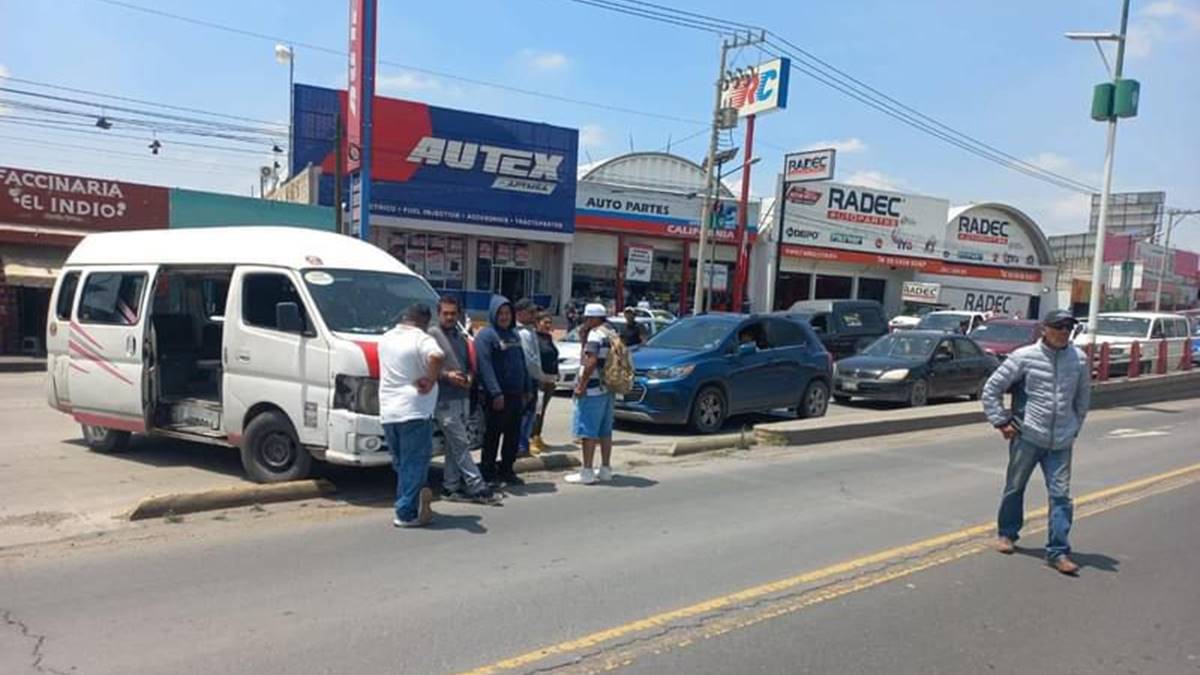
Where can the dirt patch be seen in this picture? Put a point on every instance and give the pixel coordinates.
(36, 519)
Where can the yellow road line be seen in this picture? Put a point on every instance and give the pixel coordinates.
(775, 587)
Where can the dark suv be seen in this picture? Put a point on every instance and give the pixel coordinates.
(845, 327)
(700, 370)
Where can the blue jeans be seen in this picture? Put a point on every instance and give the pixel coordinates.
(411, 445)
(1056, 469)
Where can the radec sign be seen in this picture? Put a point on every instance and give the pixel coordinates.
(808, 166)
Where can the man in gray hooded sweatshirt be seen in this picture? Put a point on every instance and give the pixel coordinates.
(1051, 386)
(461, 479)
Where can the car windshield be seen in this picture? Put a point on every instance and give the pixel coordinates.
(693, 334)
(942, 321)
(913, 347)
(1003, 332)
(364, 302)
(1122, 326)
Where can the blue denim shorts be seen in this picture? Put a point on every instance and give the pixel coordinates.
(593, 417)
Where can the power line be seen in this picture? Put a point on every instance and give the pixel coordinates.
(416, 69)
(84, 128)
(110, 151)
(127, 99)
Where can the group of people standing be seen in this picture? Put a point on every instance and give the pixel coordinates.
(431, 376)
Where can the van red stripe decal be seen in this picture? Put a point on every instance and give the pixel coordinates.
(87, 336)
(110, 422)
(370, 352)
(78, 368)
(98, 360)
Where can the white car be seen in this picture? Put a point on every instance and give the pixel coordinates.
(1121, 329)
(903, 322)
(569, 349)
(951, 321)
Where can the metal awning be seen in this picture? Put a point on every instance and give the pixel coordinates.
(36, 266)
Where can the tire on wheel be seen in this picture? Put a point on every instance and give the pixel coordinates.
(708, 411)
(103, 439)
(918, 393)
(271, 451)
(815, 401)
(978, 393)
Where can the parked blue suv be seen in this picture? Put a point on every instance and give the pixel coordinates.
(701, 370)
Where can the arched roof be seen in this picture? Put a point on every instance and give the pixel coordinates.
(650, 170)
(1021, 219)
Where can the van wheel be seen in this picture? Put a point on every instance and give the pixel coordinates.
(103, 439)
(815, 401)
(708, 411)
(271, 452)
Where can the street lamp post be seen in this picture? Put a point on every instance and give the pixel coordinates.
(286, 54)
(1106, 189)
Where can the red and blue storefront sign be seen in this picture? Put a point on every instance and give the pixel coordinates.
(437, 164)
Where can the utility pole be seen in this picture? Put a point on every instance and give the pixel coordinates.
(710, 166)
(1162, 265)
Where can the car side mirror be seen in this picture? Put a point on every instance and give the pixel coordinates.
(288, 319)
(747, 349)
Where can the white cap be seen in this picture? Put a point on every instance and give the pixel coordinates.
(595, 310)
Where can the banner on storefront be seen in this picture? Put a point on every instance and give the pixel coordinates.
(910, 263)
(916, 291)
(40, 198)
(717, 275)
(438, 164)
(435, 264)
(639, 263)
(675, 215)
(976, 300)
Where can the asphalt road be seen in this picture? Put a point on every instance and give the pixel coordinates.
(576, 576)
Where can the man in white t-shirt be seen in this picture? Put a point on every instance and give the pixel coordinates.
(410, 362)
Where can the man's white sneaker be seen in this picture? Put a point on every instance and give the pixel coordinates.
(605, 475)
(584, 477)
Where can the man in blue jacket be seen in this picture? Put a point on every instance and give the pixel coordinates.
(1051, 386)
(506, 386)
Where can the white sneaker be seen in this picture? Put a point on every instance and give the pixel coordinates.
(584, 477)
(605, 475)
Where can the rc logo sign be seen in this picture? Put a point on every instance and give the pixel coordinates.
(761, 89)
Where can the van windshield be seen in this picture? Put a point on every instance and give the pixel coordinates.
(363, 302)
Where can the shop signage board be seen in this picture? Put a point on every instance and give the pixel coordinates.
(760, 89)
(718, 276)
(926, 265)
(639, 263)
(809, 166)
(916, 291)
(674, 215)
(439, 164)
(976, 300)
(854, 218)
(361, 77)
(43, 199)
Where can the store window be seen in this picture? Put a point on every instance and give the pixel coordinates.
(872, 289)
(834, 287)
(593, 283)
(792, 288)
(665, 284)
(440, 259)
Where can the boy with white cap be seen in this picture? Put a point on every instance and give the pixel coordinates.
(593, 403)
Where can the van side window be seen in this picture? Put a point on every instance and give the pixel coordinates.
(66, 296)
(820, 323)
(861, 320)
(1158, 333)
(261, 292)
(112, 298)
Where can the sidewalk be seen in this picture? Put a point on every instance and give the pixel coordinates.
(22, 364)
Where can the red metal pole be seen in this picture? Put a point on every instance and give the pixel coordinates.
(683, 291)
(742, 272)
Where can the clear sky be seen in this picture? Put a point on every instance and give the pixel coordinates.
(1000, 71)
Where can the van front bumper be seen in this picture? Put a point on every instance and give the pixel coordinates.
(356, 440)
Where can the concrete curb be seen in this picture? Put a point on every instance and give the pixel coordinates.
(739, 441)
(865, 429)
(547, 462)
(230, 497)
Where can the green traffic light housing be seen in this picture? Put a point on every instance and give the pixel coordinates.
(1102, 101)
(1111, 100)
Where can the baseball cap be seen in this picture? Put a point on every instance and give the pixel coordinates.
(524, 305)
(595, 310)
(1059, 317)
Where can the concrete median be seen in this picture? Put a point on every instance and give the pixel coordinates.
(230, 497)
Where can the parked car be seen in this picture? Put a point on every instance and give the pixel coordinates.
(844, 326)
(1196, 341)
(1121, 329)
(952, 321)
(914, 366)
(912, 315)
(999, 337)
(701, 370)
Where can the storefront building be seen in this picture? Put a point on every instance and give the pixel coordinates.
(44, 215)
(843, 241)
(476, 204)
(637, 221)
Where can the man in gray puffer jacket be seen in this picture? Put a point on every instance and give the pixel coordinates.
(1051, 386)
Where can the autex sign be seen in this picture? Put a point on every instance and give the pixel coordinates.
(664, 214)
(761, 89)
(445, 165)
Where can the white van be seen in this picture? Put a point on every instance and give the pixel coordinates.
(261, 338)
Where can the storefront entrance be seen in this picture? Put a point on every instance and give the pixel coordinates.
(512, 282)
